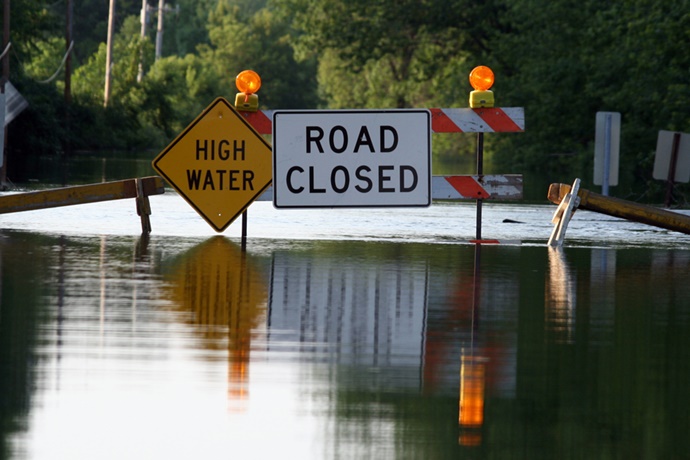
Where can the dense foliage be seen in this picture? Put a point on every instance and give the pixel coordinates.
(562, 60)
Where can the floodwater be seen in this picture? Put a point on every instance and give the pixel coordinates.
(344, 334)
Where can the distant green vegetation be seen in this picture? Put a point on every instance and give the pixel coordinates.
(562, 60)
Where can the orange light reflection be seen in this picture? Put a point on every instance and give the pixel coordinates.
(471, 405)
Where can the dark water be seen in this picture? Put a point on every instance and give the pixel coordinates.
(349, 334)
(173, 347)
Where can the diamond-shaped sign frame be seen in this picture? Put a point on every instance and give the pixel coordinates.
(219, 164)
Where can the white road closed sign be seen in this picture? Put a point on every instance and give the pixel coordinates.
(351, 158)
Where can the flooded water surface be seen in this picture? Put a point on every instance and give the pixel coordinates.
(341, 334)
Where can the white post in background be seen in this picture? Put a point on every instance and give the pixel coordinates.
(607, 155)
(607, 150)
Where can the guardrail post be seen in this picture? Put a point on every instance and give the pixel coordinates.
(143, 207)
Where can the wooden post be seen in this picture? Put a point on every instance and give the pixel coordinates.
(143, 207)
(244, 231)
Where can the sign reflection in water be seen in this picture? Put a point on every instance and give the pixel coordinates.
(358, 310)
(472, 372)
(471, 405)
(218, 283)
(561, 297)
(355, 350)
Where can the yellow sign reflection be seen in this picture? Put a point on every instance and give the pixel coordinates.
(226, 294)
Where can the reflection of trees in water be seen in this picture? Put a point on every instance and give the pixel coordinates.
(594, 344)
(21, 303)
(609, 370)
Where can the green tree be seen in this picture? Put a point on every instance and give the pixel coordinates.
(561, 60)
(643, 73)
(191, 27)
(260, 41)
(31, 23)
(188, 29)
(177, 89)
(577, 58)
(378, 54)
(547, 77)
(32, 28)
(400, 54)
(90, 23)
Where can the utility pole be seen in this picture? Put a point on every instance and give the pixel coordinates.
(109, 53)
(67, 148)
(68, 62)
(144, 17)
(159, 31)
(5, 78)
(162, 9)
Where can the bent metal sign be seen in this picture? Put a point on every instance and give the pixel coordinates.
(351, 158)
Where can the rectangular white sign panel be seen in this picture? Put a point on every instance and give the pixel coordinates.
(612, 121)
(664, 155)
(351, 158)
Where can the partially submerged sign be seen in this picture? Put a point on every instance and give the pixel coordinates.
(351, 158)
(672, 160)
(11, 104)
(15, 103)
(570, 198)
(219, 164)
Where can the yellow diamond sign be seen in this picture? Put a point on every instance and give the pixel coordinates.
(219, 164)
